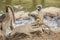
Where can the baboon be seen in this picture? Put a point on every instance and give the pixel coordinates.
(23, 29)
(26, 29)
(9, 19)
(51, 14)
(38, 20)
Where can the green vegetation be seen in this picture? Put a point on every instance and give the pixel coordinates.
(29, 5)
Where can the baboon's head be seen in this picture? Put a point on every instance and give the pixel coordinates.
(9, 9)
(39, 7)
(35, 13)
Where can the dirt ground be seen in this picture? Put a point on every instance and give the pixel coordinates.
(35, 36)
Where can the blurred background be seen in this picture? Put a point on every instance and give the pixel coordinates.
(27, 5)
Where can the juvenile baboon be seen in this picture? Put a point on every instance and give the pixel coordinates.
(26, 29)
(9, 19)
(23, 29)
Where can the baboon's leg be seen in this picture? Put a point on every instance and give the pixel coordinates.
(4, 27)
(11, 25)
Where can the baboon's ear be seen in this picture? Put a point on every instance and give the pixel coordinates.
(39, 7)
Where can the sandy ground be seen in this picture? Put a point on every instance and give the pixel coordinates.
(35, 36)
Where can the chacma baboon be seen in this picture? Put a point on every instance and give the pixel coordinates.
(9, 19)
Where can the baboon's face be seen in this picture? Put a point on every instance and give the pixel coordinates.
(8, 9)
(39, 7)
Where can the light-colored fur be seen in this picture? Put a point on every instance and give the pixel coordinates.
(8, 19)
(23, 29)
(44, 11)
(50, 10)
(26, 29)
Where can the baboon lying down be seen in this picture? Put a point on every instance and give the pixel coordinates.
(50, 13)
